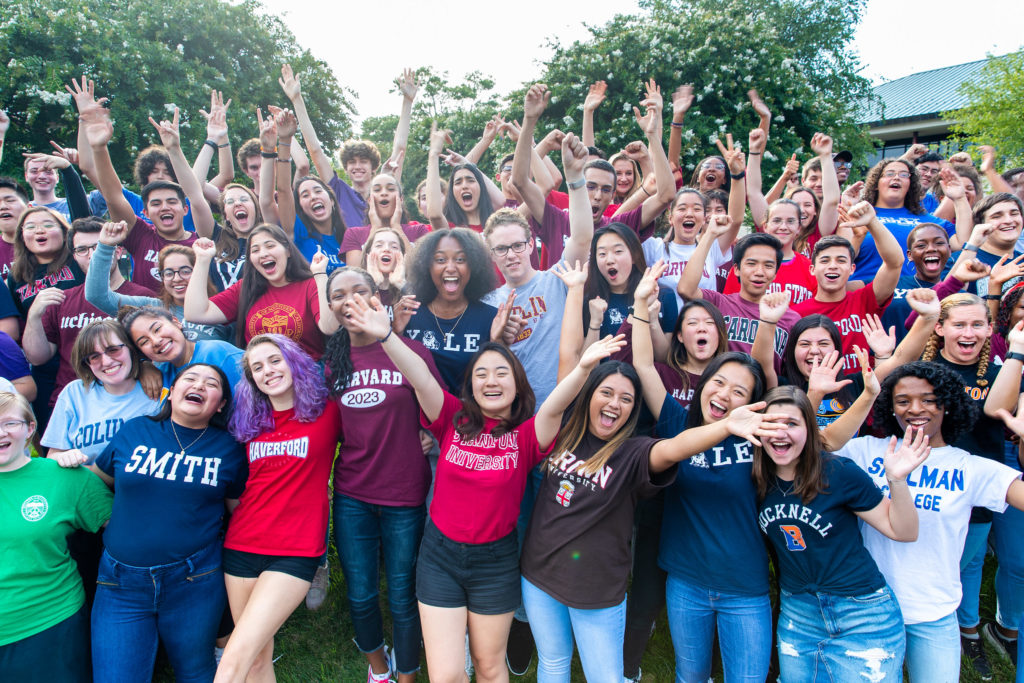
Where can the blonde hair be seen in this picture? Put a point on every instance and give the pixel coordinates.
(19, 404)
(931, 349)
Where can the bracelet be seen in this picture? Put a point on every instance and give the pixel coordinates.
(753, 154)
(883, 357)
(324, 274)
(211, 143)
(268, 155)
(577, 184)
(595, 329)
(766, 322)
(386, 337)
(640, 319)
(645, 191)
(738, 176)
(895, 481)
(676, 125)
(1013, 355)
(971, 247)
(283, 161)
(992, 297)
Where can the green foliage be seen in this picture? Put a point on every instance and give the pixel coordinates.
(147, 59)
(996, 108)
(793, 51)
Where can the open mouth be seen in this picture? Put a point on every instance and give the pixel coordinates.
(6, 215)
(241, 215)
(702, 343)
(596, 210)
(710, 178)
(689, 225)
(613, 273)
(832, 277)
(781, 447)
(318, 209)
(5, 444)
(967, 347)
(608, 418)
(932, 262)
(111, 370)
(269, 266)
(492, 395)
(164, 348)
(450, 284)
(385, 259)
(194, 397)
(467, 199)
(166, 218)
(918, 422)
(716, 410)
(383, 202)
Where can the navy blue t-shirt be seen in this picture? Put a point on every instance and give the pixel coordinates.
(818, 545)
(453, 341)
(898, 310)
(709, 536)
(168, 506)
(618, 311)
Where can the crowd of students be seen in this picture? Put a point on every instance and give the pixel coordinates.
(566, 399)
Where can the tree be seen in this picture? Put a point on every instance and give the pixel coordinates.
(995, 110)
(147, 60)
(794, 52)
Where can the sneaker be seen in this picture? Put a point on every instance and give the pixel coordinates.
(971, 648)
(1006, 647)
(521, 646)
(318, 589)
(378, 678)
(635, 679)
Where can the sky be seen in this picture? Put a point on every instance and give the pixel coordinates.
(384, 36)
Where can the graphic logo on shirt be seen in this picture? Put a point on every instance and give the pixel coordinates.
(34, 508)
(431, 341)
(615, 316)
(565, 491)
(277, 318)
(363, 398)
(699, 460)
(794, 538)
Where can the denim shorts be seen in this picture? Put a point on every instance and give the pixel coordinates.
(250, 565)
(483, 577)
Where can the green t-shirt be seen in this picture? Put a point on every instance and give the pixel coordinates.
(40, 504)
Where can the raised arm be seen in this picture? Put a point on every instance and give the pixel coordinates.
(682, 98)
(85, 101)
(408, 86)
(771, 308)
(1006, 387)
(286, 124)
(689, 280)
(888, 275)
(545, 173)
(38, 349)
(570, 342)
(5, 124)
(791, 169)
(643, 347)
(651, 124)
(293, 89)
(198, 308)
(595, 96)
(988, 168)
(926, 306)
(953, 188)
(755, 197)
(217, 133)
(98, 132)
(536, 100)
(828, 216)
(854, 417)
(895, 516)
(435, 202)
(328, 323)
(202, 216)
(491, 130)
(97, 280)
(581, 222)
(737, 190)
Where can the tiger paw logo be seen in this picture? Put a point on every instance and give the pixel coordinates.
(34, 508)
(565, 491)
(794, 538)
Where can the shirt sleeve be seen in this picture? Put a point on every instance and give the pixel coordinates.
(7, 307)
(95, 501)
(105, 460)
(58, 428)
(354, 239)
(443, 423)
(860, 491)
(672, 420)
(12, 359)
(990, 480)
(227, 301)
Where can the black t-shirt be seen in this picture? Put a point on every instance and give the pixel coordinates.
(818, 545)
(577, 544)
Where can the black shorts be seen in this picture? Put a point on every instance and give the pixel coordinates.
(483, 577)
(250, 565)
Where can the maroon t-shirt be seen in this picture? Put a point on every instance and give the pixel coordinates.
(6, 258)
(356, 237)
(674, 384)
(62, 324)
(553, 231)
(144, 244)
(292, 310)
(742, 321)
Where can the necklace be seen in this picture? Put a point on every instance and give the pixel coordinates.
(457, 320)
(785, 491)
(194, 441)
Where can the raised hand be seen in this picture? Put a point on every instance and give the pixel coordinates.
(51, 296)
(1015, 337)
(289, 82)
(952, 184)
(792, 167)
(285, 121)
(51, 161)
(648, 284)
(503, 327)
(718, 225)
(1005, 270)
(912, 451)
(636, 150)
(650, 121)
(204, 249)
(597, 306)
(733, 155)
(511, 129)
(318, 264)
(403, 312)
(925, 302)
(857, 215)
(756, 140)
(113, 233)
(550, 142)
(97, 126)
(682, 99)
(601, 349)
(961, 158)
(438, 139)
(882, 343)
(217, 117)
(85, 98)
(971, 270)
(574, 156)
(5, 123)
(871, 384)
(821, 145)
(574, 275)
(407, 84)
(773, 306)
(852, 194)
(760, 108)
(453, 158)
(595, 96)
(69, 153)
(747, 422)
(492, 128)
(988, 158)
(916, 151)
(822, 378)
(168, 131)
(536, 101)
(369, 317)
(393, 163)
(268, 130)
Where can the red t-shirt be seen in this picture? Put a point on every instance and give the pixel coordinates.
(793, 275)
(144, 244)
(381, 461)
(553, 230)
(62, 324)
(292, 310)
(848, 315)
(286, 502)
(561, 200)
(480, 483)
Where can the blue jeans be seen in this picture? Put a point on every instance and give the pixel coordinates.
(933, 651)
(598, 632)
(835, 638)
(136, 607)
(360, 531)
(744, 632)
(1008, 532)
(972, 561)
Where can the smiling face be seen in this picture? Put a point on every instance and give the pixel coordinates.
(43, 235)
(271, 374)
(929, 250)
(812, 181)
(42, 180)
(624, 176)
(964, 332)
(110, 362)
(832, 268)
(340, 297)
(614, 261)
(161, 340)
(449, 270)
(315, 201)
(175, 274)
(893, 185)
(386, 196)
(783, 223)
(808, 212)
(928, 170)
(786, 445)
(239, 210)
(166, 211)
(196, 396)
(359, 169)
(12, 440)
(611, 405)
(757, 270)
(494, 385)
(687, 218)
(712, 172)
(728, 388)
(514, 265)
(387, 249)
(1005, 218)
(698, 334)
(466, 190)
(269, 257)
(812, 345)
(11, 208)
(915, 404)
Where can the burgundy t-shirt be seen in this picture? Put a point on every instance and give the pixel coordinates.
(63, 323)
(144, 244)
(741, 323)
(553, 230)
(356, 237)
(577, 547)
(6, 258)
(674, 384)
(381, 461)
(793, 276)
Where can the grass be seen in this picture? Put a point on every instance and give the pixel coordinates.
(317, 646)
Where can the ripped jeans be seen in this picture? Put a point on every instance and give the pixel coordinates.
(826, 637)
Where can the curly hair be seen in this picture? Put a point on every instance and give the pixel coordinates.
(359, 149)
(960, 411)
(146, 163)
(931, 348)
(250, 148)
(911, 201)
(419, 263)
(337, 356)
(1007, 305)
(453, 211)
(253, 414)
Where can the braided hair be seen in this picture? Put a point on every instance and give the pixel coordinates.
(931, 349)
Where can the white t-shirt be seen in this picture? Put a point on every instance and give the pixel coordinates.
(925, 574)
(677, 258)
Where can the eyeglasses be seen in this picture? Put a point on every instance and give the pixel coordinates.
(503, 249)
(109, 352)
(716, 165)
(784, 221)
(506, 169)
(605, 189)
(83, 250)
(896, 174)
(40, 227)
(843, 164)
(185, 272)
(8, 426)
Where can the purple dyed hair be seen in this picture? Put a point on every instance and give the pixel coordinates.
(253, 414)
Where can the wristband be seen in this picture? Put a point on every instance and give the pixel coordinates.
(753, 154)
(595, 329)
(283, 161)
(640, 319)
(883, 357)
(1013, 355)
(645, 191)
(577, 184)
(676, 125)
(738, 176)
(268, 155)
(766, 322)
(971, 247)
(386, 337)
(211, 143)
(992, 297)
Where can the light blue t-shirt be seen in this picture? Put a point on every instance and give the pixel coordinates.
(87, 418)
(221, 354)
